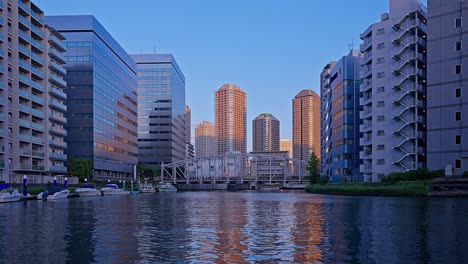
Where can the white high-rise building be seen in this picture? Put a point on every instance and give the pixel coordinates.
(393, 91)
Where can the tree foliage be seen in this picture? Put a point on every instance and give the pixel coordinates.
(314, 169)
(146, 171)
(79, 167)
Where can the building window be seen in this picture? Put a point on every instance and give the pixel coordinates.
(458, 46)
(457, 164)
(380, 133)
(380, 118)
(458, 22)
(380, 75)
(380, 31)
(380, 147)
(458, 93)
(380, 89)
(381, 60)
(458, 69)
(380, 103)
(380, 161)
(458, 139)
(458, 116)
(380, 45)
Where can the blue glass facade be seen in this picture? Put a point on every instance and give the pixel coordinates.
(161, 109)
(340, 119)
(101, 97)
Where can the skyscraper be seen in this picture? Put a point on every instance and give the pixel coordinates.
(306, 125)
(31, 94)
(340, 83)
(189, 149)
(161, 109)
(265, 131)
(394, 91)
(101, 97)
(287, 145)
(205, 140)
(231, 119)
(447, 93)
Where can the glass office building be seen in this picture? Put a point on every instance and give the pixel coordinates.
(101, 97)
(161, 109)
(340, 83)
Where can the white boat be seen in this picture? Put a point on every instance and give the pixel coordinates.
(55, 193)
(39, 196)
(147, 188)
(88, 191)
(9, 195)
(166, 187)
(113, 189)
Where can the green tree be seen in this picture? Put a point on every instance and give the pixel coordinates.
(79, 167)
(146, 171)
(314, 169)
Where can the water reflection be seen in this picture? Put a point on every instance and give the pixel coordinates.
(242, 227)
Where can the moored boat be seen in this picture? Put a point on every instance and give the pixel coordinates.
(88, 190)
(113, 189)
(55, 193)
(166, 187)
(8, 194)
(147, 188)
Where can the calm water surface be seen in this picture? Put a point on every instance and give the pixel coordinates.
(235, 227)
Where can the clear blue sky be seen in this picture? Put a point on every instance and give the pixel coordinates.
(272, 49)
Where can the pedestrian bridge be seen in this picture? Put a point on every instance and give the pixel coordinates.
(236, 167)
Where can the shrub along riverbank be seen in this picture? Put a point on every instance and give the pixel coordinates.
(417, 188)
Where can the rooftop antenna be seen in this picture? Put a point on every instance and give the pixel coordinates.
(154, 49)
(351, 46)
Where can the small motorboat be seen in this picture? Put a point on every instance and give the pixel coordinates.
(147, 188)
(8, 194)
(55, 193)
(113, 189)
(166, 187)
(88, 190)
(39, 196)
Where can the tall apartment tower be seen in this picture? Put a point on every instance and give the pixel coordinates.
(189, 149)
(161, 109)
(286, 145)
(205, 140)
(306, 125)
(30, 93)
(393, 106)
(101, 97)
(231, 119)
(447, 93)
(266, 133)
(340, 83)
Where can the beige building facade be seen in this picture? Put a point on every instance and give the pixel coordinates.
(306, 125)
(205, 140)
(231, 119)
(287, 145)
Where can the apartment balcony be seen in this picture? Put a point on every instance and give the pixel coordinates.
(37, 99)
(2, 53)
(37, 44)
(24, 7)
(367, 45)
(38, 73)
(38, 113)
(367, 72)
(24, 65)
(58, 169)
(24, 36)
(37, 86)
(57, 93)
(57, 105)
(37, 17)
(24, 50)
(37, 31)
(58, 144)
(25, 80)
(59, 69)
(57, 55)
(58, 131)
(57, 43)
(37, 58)
(24, 21)
(24, 152)
(57, 118)
(58, 156)
(38, 155)
(57, 81)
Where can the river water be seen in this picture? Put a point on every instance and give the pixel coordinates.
(235, 227)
